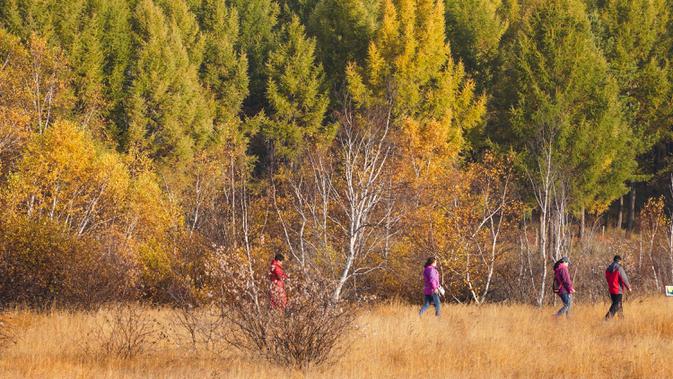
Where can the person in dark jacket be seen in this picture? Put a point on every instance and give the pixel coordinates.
(563, 285)
(617, 281)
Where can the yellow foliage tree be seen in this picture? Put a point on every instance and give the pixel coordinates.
(410, 70)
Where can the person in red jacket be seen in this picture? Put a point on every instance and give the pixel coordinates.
(617, 280)
(277, 295)
(563, 285)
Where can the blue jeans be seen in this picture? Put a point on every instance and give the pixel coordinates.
(567, 303)
(434, 298)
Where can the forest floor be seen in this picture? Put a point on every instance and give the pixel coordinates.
(390, 341)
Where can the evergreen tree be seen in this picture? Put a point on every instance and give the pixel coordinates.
(342, 29)
(566, 100)
(633, 38)
(475, 28)
(87, 62)
(258, 19)
(68, 18)
(117, 46)
(167, 114)
(26, 17)
(299, 8)
(224, 70)
(410, 65)
(296, 95)
(179, 13)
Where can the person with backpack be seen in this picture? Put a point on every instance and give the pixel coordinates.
(431, 288)
(277, 295)
(617, 281)
(563, 285)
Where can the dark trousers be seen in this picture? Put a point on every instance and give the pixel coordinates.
(616, 307)
(434, 298)
(567, 300)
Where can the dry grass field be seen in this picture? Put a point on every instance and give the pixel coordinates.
(390, 341)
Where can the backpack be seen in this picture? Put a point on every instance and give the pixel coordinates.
(556, 287)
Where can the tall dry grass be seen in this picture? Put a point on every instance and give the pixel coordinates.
(390, 341)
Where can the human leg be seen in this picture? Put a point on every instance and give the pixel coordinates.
(427, 299)
(567, 303)
(619, 312)
(435, 299)
(615, 307)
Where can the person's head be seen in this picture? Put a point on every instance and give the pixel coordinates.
(279, 257)
(561, 261)
(432, 261)
(617, 259)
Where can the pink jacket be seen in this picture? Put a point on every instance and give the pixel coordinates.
(562, 280)
(431, 278)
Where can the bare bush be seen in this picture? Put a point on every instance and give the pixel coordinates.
(202, 326)
(126, 330)
(307, 332)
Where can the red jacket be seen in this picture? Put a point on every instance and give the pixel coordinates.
(277, 296)
(276, 274)
(617, 279)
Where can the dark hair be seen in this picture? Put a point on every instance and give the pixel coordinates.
(562, 260)
(430, 261)
(617, 258)
(279, 257)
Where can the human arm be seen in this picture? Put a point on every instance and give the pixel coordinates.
(276, 272)
(434, 280)
(623, 279)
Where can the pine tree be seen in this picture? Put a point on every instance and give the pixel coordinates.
(410, 65)
(168, 116)
(299, 8)
(87, 62)
(179, 13)
(27, 17)
(117, 45)
(224, 70)
(296, 95)
(67, 22)
(475, 28)
(342, 30)
(632, 36)
(567, 101)
(258, 20)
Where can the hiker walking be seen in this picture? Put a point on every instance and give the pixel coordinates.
(617, 281)
(431, 288)
(277, 295)
(563, 285)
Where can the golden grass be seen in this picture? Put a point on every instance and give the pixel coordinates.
(389, 342)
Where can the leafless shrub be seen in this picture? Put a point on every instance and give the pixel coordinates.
(307, 332)
(125, 331)
(201, 325)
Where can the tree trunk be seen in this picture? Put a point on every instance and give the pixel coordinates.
(582, 223)
(632, 210)
(543, 256)
(620, 216)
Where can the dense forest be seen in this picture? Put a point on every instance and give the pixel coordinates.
(147, 146)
